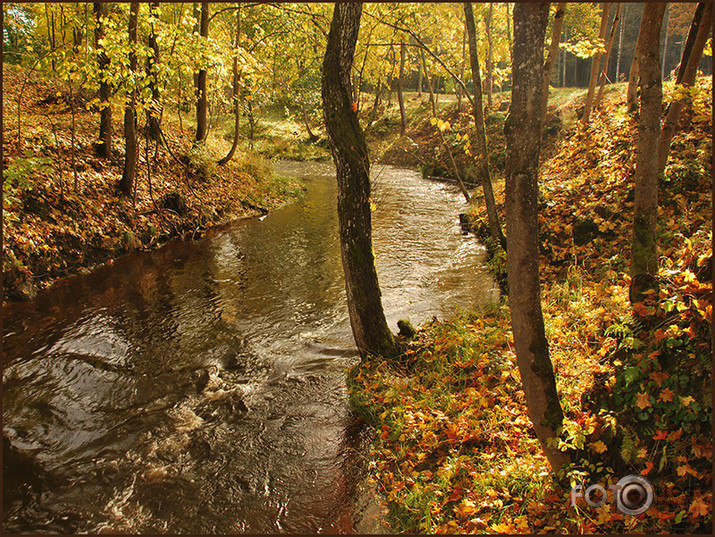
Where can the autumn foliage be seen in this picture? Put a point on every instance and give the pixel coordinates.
(454, 448)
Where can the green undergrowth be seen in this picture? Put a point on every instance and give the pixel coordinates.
(454, 449)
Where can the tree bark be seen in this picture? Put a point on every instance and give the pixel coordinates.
(644, 256)
(489, 62)
(620, 47)
(201, 97)
(607, 57)
(429, 83)
(482, 160)
(595, 66)
(633, 79)
(686, 76)
(551, 58)
(664, 55)
(104, 146)
(126, 184)
(400, 89)
(523, 133)
(236, 91)
(347, 143)
(154, 109)
(692, 36)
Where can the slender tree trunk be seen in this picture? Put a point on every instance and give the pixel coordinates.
(551, 58)
(482, 160)
(201, 96)
(236, 94)
(429, 83)
(509, 40)
(692, 37)
(490, 52)
(457, 87)
(126, 184)
(104, 146)
(400, 89)
(347, 142)
(686, 76)
(607, 57)
(595, 66)
(633, 79)
(523, 133)
(419, 81)
(154, 109)
(664, 55)
(644, 257)
(620, 43)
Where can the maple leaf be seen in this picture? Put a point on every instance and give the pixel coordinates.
(643, 400)
(660, 435)
(666, 395)
(647, 469)
(699, 507)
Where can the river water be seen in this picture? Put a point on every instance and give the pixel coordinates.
(200, 388)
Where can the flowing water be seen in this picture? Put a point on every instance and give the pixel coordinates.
(200, 388)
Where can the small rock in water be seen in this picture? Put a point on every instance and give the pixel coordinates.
(201, 379)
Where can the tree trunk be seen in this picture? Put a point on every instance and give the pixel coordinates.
(482, 160)
(126, 184)
(154, 109)
(236, 96)
(595, 66)
(400, 95)
(347, 143)
(607, 57)
(104, 146)
(201, 97)
(429, 83)
(692, 36)
(523, 134)
(551, 58)
(644, 256)
(633, 79)
(664, 55)
(700, 28)
(490, 48)
(620, 43)
(508, 33)
(457, 87)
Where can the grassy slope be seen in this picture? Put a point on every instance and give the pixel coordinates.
(454, 449)
(51, 229)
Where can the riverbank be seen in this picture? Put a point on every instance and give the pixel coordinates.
(454, 449)
(62, 211)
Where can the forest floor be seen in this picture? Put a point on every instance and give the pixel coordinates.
(454, 449)
(62, 210)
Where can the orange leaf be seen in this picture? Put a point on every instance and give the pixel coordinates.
(643, 400)
(647, 469)
(699, 507)
(666, 395)
(660, 435)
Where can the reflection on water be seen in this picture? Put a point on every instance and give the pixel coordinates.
(201, 388)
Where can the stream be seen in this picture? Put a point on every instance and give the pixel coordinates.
(200, 388)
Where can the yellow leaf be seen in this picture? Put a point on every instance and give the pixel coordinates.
(685, 401)
(599, 446)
